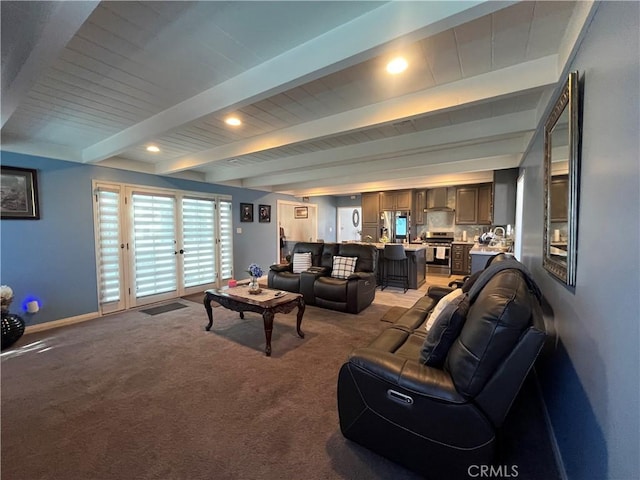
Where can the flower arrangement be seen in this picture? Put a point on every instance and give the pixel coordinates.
(255, 270)
(6, 296)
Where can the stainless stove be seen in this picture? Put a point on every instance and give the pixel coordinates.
(438, 253)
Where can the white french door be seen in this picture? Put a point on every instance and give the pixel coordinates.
(154, 244)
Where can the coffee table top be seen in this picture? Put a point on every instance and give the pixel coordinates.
(266, 298)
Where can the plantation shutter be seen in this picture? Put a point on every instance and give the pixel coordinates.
(198, 239)
(226, 240)
(154, 243)
(109, 244)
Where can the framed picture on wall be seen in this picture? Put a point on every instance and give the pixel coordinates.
(19, 193)
(246, 212)
(300, 212)
(264, 213)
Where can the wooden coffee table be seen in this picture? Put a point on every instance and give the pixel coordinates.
(239, 300)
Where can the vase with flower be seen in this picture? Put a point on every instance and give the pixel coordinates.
(12, 325)
(256, 272)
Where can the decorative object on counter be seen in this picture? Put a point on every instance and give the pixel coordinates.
(233, 283)
(561, 181)
(12, 325)
(464, 235)
(256, 272)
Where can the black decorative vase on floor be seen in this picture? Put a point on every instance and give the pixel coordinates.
(12, 328)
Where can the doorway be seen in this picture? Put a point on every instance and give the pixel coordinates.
(349, 224)
(297, 222)
(156, 244)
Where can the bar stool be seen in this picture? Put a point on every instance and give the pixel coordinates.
(392, 255)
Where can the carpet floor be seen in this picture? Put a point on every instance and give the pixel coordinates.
(134, 396)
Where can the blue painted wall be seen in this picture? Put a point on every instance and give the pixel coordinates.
(54, 258)
(590, 377)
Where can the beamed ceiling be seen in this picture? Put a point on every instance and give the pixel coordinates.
(98, 82)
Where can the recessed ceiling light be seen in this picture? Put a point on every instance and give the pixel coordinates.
(153, 149)
(234, 121)
(397, 65)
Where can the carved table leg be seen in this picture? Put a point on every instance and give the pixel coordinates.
(301, 307)
(209, 309)
(267, 316)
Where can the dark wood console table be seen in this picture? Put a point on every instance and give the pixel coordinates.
(266, 303)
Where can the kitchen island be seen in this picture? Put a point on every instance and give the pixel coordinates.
(416, 259)
(480, 254)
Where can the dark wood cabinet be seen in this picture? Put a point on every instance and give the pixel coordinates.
(396, 200)
(370, 216)
(485, 204)
(474, 204)
(460, 259)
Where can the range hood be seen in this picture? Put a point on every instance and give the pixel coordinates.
(437, 200)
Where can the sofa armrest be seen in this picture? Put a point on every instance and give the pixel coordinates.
(436, 292)
(282, 267)
(408, 374)
(361, 276)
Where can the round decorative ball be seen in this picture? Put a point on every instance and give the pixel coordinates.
(12, 328)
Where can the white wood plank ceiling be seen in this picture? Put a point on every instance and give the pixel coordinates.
(98, 82)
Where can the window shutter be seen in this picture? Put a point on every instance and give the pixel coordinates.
(198, 238)
(154, 241)
(226, 240)
(109, 244)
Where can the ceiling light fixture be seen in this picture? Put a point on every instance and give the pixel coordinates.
(153, 149)
(397, 65)
(234, 121)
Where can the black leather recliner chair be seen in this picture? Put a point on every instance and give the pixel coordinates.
(318, 287)
(440, 421)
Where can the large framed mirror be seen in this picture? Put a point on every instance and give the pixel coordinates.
(561, 183)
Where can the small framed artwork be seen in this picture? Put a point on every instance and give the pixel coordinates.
(19, 193)
(264, 213)
(301, 212)
(246, 212)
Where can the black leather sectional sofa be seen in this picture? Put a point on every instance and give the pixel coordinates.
(442, 421)
(318, 287)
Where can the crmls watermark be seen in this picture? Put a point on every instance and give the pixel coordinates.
(493, 471)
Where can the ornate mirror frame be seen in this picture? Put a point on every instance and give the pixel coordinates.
(561, 183)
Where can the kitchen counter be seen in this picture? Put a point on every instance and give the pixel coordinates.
(460, 242)
(480, 255)
(487, 250)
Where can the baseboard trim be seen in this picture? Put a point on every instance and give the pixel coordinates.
(552, 437)
(61, 323)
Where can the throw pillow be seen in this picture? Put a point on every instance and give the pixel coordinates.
(301, 262)
(441, 305)
(343, 267)
(444, 332)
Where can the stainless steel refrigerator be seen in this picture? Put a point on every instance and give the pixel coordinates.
(396, 225)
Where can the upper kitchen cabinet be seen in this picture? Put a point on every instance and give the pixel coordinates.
(420, 198)
(474, 204)
(370, 216)
(397, 200)
(370, 207)
(504, 196)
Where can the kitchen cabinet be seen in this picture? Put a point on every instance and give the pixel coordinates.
(461, 259)
(419, 206)
(396, 200)
(559, 198)
(370, 216)
(474, 204)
